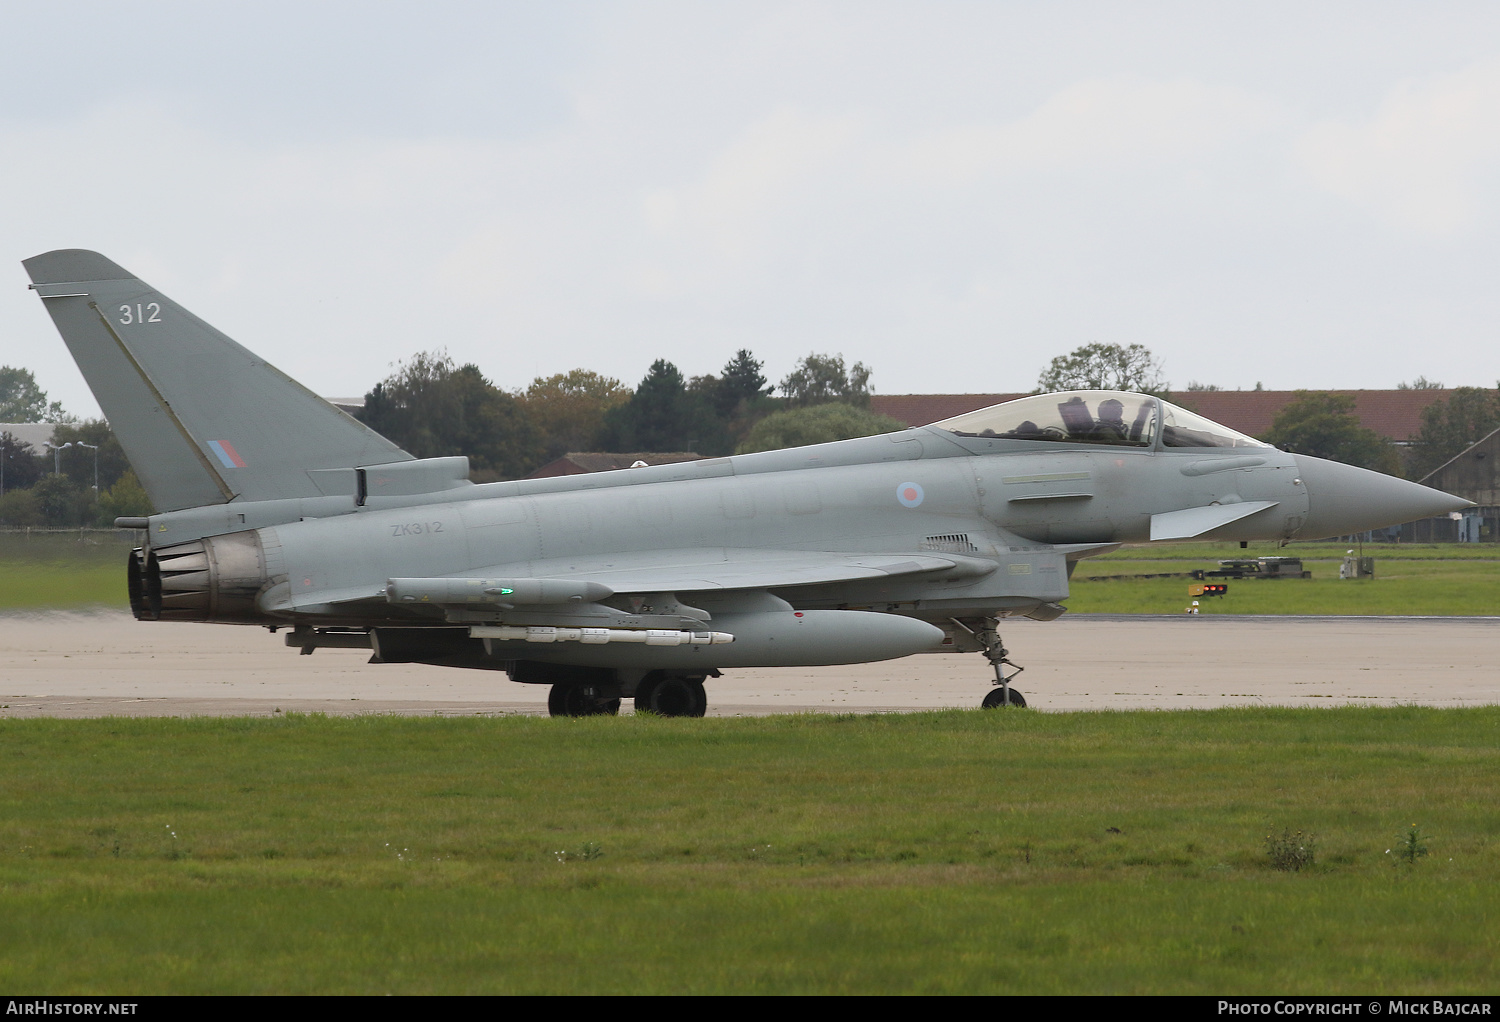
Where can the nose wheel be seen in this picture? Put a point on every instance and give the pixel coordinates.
(1003, 696)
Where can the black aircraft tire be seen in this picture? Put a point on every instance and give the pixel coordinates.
(575, 701)
(644, 691)
(674, 696)
(566, 701)
(994, 698)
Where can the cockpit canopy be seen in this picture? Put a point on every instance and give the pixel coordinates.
(1110, 417)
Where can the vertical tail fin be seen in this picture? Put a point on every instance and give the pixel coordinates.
(203, 420)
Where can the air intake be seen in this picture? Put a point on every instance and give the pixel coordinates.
(956, 543)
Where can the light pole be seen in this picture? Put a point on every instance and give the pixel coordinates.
(95, 449)
(57, 457)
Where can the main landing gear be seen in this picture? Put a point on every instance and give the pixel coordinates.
(671, 695)
(569, 700)
(668, 695)
(988, 636)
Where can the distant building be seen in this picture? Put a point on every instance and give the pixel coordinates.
(1394, 414)
(351, 405)
(580, 463)
(1472, 474)
(37, 434)
(925, 409)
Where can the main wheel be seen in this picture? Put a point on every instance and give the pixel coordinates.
(996, 698)
(643, 690)
(672, 696)
(579, 701)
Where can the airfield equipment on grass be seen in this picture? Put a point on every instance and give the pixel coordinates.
(1259, 567)
(275, 508)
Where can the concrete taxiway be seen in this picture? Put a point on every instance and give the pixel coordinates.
(88, 665)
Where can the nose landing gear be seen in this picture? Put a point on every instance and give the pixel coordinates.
(988, 636)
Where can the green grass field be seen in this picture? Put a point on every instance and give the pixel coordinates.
(63, 570)
(1430, 579)
(1211, 553)
(962, 851)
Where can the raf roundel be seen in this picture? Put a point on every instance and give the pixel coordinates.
(910, 494)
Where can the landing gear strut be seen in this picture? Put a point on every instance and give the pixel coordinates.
(988, 636)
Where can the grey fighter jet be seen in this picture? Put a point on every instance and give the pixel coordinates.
(276, 509)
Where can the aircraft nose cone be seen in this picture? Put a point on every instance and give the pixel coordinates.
(1343, 499)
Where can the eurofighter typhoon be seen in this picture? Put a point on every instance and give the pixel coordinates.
(276, 509)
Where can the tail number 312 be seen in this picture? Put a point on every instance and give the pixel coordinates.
(148, 313)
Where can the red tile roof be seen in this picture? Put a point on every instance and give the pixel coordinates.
(581, 462)
(1394, 414)
(921, 409)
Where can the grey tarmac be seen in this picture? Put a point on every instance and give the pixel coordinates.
(106, 663)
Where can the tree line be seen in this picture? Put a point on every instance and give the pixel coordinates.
(83, 479)
(434, 407)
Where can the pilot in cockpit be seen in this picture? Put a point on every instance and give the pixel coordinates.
(1111, 426)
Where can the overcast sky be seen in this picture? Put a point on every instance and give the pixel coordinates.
(1303, 195)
